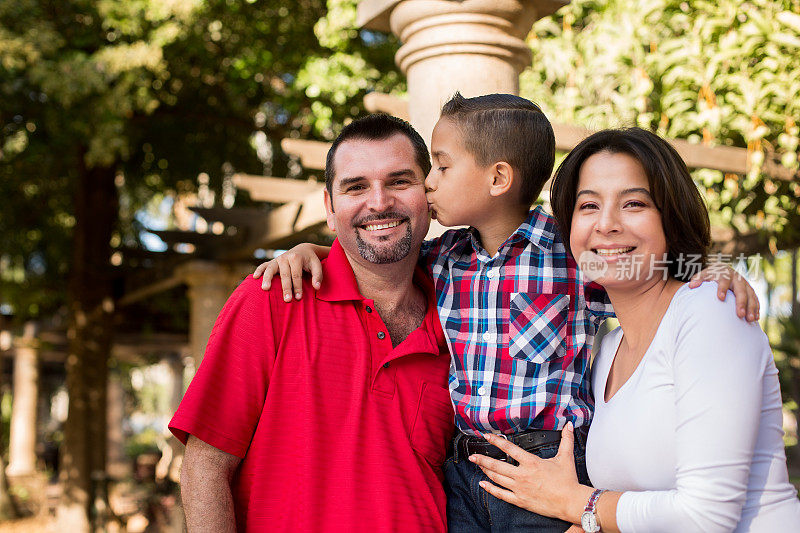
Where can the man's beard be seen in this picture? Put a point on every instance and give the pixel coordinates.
(386, 254)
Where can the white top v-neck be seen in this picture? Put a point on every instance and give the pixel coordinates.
(695, 433)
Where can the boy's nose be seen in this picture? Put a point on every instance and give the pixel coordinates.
(429, 182)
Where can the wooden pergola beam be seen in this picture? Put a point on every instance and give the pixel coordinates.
(275, 190)
(284, 222)
(723, 158)
(312, 154)
(309, 215)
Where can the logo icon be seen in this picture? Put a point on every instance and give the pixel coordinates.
(592, 266)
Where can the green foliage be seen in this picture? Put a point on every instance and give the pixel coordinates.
(160, 91)
(142, 443)
(354, 61)
(157, 90)
(723, 72)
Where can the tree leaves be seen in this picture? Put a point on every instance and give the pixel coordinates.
(721, 72)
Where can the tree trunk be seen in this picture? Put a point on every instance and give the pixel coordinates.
(795, 375)
(83, 457)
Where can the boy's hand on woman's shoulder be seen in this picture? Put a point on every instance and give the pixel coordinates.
(747, 305)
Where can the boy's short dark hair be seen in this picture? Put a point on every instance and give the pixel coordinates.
(684, 215)
(505, 127)
(376, 127)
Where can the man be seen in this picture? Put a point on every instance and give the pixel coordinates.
(331, 413)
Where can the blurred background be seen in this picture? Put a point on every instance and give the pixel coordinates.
(152, 152)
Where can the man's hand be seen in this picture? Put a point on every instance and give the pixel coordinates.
(206, 476)
(290, 265)
(728, 279)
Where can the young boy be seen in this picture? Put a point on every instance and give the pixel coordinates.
(518, 318)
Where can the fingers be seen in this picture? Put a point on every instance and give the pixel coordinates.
(520, 455)
(315, 267)
(723, 284)
(294, 272)
(739, 288)
(567, 444)
(747, 305)
(286, 281)
(497, 492)
(488, 464)
(268, 271)
(753, 305)
(696, 280)
(499, 479)
(259, 270)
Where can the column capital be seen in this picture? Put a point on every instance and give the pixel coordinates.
(429, 28)
(475, 47)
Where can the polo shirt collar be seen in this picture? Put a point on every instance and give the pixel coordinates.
(340, 282)
(340, 285)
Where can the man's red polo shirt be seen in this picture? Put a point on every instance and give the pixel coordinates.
(337, 430)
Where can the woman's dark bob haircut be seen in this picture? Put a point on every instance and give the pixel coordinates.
(684, 215)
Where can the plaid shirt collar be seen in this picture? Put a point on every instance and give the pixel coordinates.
(539, 229)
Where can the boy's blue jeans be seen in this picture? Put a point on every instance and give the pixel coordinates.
(471, 509)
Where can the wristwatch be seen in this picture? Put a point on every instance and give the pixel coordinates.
(589, 518)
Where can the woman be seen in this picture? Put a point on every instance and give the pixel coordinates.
(687, 432)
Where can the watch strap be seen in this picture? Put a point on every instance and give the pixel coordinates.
(591, 525)
(590, 505)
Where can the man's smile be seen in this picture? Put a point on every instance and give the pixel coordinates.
(385, 225)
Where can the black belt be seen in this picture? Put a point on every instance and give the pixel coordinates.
(532, 440)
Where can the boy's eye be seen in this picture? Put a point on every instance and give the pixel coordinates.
(442, 169)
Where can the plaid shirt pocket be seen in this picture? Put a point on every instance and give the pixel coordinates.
(537, 328)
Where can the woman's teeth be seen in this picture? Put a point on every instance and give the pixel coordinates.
(613, 251)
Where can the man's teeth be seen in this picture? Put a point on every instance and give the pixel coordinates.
(613, 251)
(374, 227)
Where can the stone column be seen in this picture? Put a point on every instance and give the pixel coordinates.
(472, 46)
(22, 441)
(210, 285)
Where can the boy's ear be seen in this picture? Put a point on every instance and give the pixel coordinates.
(502, 178)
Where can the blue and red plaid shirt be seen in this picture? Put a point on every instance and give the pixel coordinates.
(520, 327)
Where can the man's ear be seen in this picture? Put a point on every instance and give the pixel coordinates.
(329, 211)
(502, 178)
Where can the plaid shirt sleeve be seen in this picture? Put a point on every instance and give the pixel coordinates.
(597, 303)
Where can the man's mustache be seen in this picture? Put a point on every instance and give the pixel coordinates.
(366, 219)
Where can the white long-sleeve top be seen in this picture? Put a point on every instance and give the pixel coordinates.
(695, 435)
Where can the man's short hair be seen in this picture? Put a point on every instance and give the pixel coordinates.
(505, 127)
(376, 127)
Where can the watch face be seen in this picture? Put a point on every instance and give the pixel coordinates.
(588, 521)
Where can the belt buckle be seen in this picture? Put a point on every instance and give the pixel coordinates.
(507, 459)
